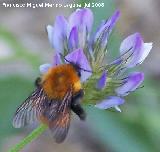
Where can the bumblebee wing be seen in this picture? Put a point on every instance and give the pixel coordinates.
(60, 126)
(29, 110)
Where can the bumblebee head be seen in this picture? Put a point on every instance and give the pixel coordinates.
(77, 68)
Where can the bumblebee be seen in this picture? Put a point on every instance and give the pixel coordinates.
(57, 93)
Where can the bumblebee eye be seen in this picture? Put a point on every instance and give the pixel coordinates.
(79, 73)
(77, 68)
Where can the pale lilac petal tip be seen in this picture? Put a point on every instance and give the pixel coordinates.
(73, 39)
(79, 57)
(44, 68)
(117, 108)
(60, 33)
(110, 102)
(131, 83)
(50, 31)
(145, 51)
(56, 60)
(137, 47)
(102, 81)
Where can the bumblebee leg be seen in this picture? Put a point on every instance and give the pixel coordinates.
(77, 109)
(78, 95)
(37, 82)
(76, 106)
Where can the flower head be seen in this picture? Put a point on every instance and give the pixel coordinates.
(105, 85)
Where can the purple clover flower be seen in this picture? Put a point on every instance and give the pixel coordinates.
(129, 84)
(106, 86)
(101, 83)
(68, 35)
(138, 49)
(109, 102)
(105, 29)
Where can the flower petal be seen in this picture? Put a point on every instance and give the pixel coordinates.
(83, 20)
(106, 28)
(56, 60)
(60, 34)
(73, 39)
(138, 49)
(44, 68)
(81, 17)
(131, 83)
(146, 49)
(129, 43)
(110, 102)
(102, 81)
(117, 108)
(94, 37)
(79, 58)
(50, 31)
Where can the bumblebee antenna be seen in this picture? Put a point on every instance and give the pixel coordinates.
(86, 70)
(72, 63)
(64, 57)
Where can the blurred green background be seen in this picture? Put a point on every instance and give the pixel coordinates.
(24, 46)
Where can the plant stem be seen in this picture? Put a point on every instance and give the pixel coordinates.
(33, 135)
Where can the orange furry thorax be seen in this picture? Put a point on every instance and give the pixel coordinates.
(60, 79)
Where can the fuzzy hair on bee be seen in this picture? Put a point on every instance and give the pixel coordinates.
(57, 93)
